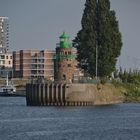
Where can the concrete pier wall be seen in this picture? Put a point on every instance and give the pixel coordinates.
(71, 94)
(45, 94)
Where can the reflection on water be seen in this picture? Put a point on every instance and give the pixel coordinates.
(111, 122)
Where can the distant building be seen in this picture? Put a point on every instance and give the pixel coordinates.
(5, 71)
(4, 34)
(6, 60)
(65, 66)
(33, 63)
(6, 63)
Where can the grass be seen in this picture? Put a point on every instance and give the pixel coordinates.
(131, 91)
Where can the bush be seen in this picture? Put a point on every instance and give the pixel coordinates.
(103, 80)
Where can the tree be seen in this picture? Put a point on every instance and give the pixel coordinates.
(99, 29)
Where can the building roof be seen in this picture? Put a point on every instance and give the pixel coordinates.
(64, 35)
(64, 40)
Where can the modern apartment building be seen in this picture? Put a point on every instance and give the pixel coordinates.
(34, 63)
(4, 34)
(6, 60)
(5, 56)
(6, 64)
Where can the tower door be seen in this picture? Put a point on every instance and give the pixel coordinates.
(64, 77)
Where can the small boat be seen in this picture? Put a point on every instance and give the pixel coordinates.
(8, 89)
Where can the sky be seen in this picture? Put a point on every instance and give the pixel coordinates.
(37, 24)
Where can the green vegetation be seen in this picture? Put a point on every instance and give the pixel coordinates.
(99, 29)
(130, 82)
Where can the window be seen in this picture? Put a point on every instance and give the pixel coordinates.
(10, 57)
(7, 57)
(1, 62)
(69, 65)
(64, 77)
(2, 56)
(9, 62)
(40, 66)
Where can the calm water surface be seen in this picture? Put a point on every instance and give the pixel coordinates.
(112, 122)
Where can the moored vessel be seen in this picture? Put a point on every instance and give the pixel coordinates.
(8, 89)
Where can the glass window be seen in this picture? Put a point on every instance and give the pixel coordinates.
(2, 56)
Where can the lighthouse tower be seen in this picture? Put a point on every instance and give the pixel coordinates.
(65, 62)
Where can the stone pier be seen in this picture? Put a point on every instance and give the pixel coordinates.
(59, 94)
(54, 95)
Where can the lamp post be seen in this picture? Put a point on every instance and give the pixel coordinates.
(96, 77)
(96, 61)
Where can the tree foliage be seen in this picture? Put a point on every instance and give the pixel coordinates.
(99, 29)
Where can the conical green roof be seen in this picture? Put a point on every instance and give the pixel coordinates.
(64, 40)
(64, 35)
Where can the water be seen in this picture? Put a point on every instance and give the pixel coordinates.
(112, 122)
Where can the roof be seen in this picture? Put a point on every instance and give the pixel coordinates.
(64, 35)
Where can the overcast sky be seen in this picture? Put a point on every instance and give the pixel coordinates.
(37, 24)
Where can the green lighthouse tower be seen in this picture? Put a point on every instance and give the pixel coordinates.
(65, 62)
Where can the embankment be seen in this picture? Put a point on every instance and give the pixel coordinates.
(72, 94)
(99, 94)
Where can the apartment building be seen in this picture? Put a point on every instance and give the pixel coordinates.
(4, 34)
(6, 60)
(6, 64)
(33, 63)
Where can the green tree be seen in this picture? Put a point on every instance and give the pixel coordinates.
(99, 28)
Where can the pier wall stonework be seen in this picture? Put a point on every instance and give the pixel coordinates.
(71, 94)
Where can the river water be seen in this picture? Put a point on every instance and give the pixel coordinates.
(111, 122)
